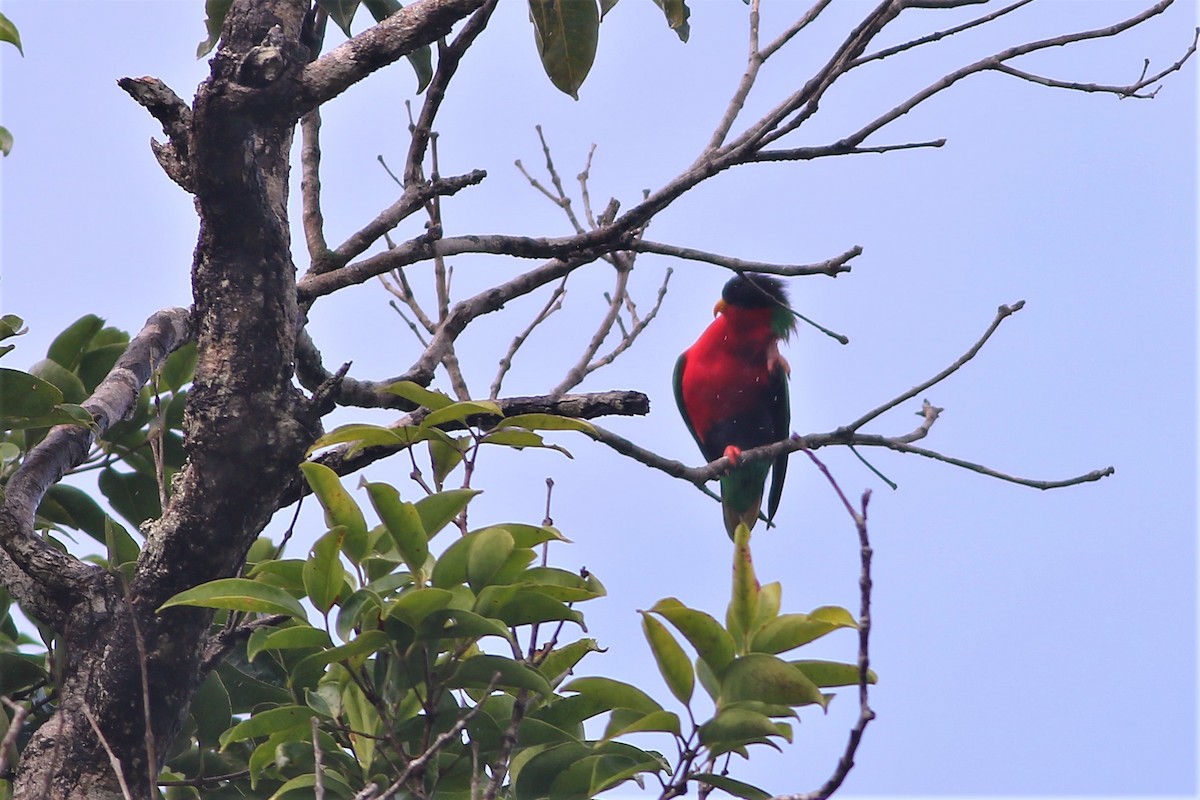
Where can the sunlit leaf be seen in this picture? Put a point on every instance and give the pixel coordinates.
(306, 673)
(419, 395)
(614, 693)
(323, 572)
(735, 727)
(340, 508)
(403, 523)
(560, 661)
(788, 631)
(458, 412)
(68, 382)
(624, 721)
(712, 642)
(479, 671)
(832, 673)
(743, 602)
(266, 722)
(516, 606)
(437, 510)
(69, 346)
(413, 607)
(456, 623)
(767, 679)
(297, 637)
(238, 594)
(546, 422)
(673, 663)
(9, 33)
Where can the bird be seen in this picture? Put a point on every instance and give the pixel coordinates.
(732, 390)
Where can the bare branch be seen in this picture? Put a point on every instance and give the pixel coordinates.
(1002, 314)
(832, 267)
(938, 35)
(836, 149)
(310, 186)
(552, 305)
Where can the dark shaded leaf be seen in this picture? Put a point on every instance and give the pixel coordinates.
(735, 788)
(69, 346)
(677, 13)
(478, 671)
(133, 495)
(67, 381)
(566, 33)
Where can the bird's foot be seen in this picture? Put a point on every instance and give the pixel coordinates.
(733, 453)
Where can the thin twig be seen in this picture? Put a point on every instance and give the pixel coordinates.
(831, 267)
(505, 364)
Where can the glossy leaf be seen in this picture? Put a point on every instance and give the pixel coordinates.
(478, 671)
(832, 673)
(546, 422)
(437, 510)
(566, 33)
(238, 594)
(789, 631)
(624, 721)
(730, 786)
(340, 508)
(456, 623)
(133, 495)
(460, 411)
(712, 642)
(69, 346)
(413, 607)
(736, 727)
(68, 382)
(286, 574)
(296, 637)
(323, 573)
(419, 395)
(673, 663)
(767, 679)
(265, 723)
(403, 523)
(614, 694)
(560, 661)
(488, 553)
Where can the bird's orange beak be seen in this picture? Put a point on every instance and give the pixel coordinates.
(719, 307)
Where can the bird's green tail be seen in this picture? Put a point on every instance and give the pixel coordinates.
(742, 493)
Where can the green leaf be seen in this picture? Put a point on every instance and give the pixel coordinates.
(560, 661)
(770, 599)
(179, 368)
(712, 642)
(488, 553)
(526, 536)
(265, 723)
(403, 524)
(515, 606)
(211, 710)
(122, 549)
(445, 457)
(68, 505)
(364, 723)
(562, 585)
(478, 671)
(737, 727)
(566, 33)
(239, 594)
(340, 508)
(673, 663)
(323, 573)
(11, 325)
(456, 623)
(67, 381)
(215, 11)
(832, 673)
(743, 602)
(730, 786)
(296, 637)
(624, 721)
(767, 679)
(419, 395)
(458, 412)
(308, 671)
(6, 146)
(96, 363)
(677, 13)
(286, 574)
(302, 785)
(546, 422)
(362, 610)
(8, 33)
(614, 694)
(69, 346)
(606, 6)
(26, 396)
(609, 765)
(414, 606)
(341, 12)
(520, 439)
(18, 672)
(437, 510)
(133, 495)
(789, 631)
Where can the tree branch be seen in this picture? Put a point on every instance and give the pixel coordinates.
(49, 581)
(832, 267)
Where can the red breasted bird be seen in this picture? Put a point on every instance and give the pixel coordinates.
(731, 387)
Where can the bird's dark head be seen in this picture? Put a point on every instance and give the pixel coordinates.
(755, 290)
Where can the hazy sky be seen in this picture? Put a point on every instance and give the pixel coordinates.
(1027, 642)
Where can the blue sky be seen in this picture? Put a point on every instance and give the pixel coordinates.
(1027, 642)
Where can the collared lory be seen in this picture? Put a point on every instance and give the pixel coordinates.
(731, 387)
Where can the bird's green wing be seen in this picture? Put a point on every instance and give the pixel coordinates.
(781, 420)
(677, 382)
